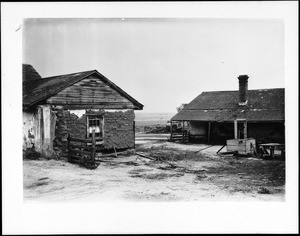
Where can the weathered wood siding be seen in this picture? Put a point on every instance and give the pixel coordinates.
(91, 92)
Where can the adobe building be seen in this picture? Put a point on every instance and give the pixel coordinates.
(50, 106)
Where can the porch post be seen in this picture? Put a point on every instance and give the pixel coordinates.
(171, 129)
(235, 129)
(245, 129)
(134, 134)
(208, 132)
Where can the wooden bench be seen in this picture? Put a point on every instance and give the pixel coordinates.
(263, 149)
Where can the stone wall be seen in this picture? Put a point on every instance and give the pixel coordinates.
(118, 129)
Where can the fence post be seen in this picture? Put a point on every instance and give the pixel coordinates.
(134, 134)
(93, 147)
(171, 131)
(68, 147)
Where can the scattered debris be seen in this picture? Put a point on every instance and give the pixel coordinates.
(115, 151)
(157, 176)
(89, 165)
(31, 154)
(130, 163)
(166, 167)
(171, 165)
(43, 178)
(264, 191)
(201, 177)
(150, 174)
(142, 155)
(156, 129)
(228, 153)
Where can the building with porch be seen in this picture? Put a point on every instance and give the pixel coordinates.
(216, 116)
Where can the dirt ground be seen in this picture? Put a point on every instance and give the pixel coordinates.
(182, 172)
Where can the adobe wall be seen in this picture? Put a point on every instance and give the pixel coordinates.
(67, 123)
(76, 126)
(28, 129)
(39, 130)
(118, 129)
(60, 142)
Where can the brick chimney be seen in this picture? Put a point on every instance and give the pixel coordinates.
(243, 88)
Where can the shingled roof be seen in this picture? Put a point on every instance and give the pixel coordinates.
(37, 90)
(29, 73)
(262, 105)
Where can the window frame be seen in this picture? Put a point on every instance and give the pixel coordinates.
(95, 117)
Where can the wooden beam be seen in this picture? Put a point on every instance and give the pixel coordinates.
(208, 132)
(171, 129)
(134, 134)
(94, 106)
(93, 153)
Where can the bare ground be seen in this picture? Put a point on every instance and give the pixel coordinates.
(195, 174)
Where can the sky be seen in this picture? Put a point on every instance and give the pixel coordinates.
(161, 62)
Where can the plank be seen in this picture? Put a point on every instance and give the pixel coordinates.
(93, 106)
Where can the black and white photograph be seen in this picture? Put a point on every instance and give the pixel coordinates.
(227, 142)
(150, 111)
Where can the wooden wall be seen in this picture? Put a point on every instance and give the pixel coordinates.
(90, 93)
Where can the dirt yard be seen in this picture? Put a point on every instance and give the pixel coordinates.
(184, 172)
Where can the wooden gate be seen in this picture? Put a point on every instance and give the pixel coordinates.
(82, 151)
(182, 136)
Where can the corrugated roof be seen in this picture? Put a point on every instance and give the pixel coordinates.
(37, 90)
(262, 105)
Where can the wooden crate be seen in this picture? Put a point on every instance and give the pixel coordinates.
(242, 146)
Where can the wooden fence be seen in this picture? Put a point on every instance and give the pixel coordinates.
(182, 136)
(82, 151)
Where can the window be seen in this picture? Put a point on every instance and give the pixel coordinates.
(95, 123)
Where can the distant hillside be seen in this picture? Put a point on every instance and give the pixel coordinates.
(152, 118)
